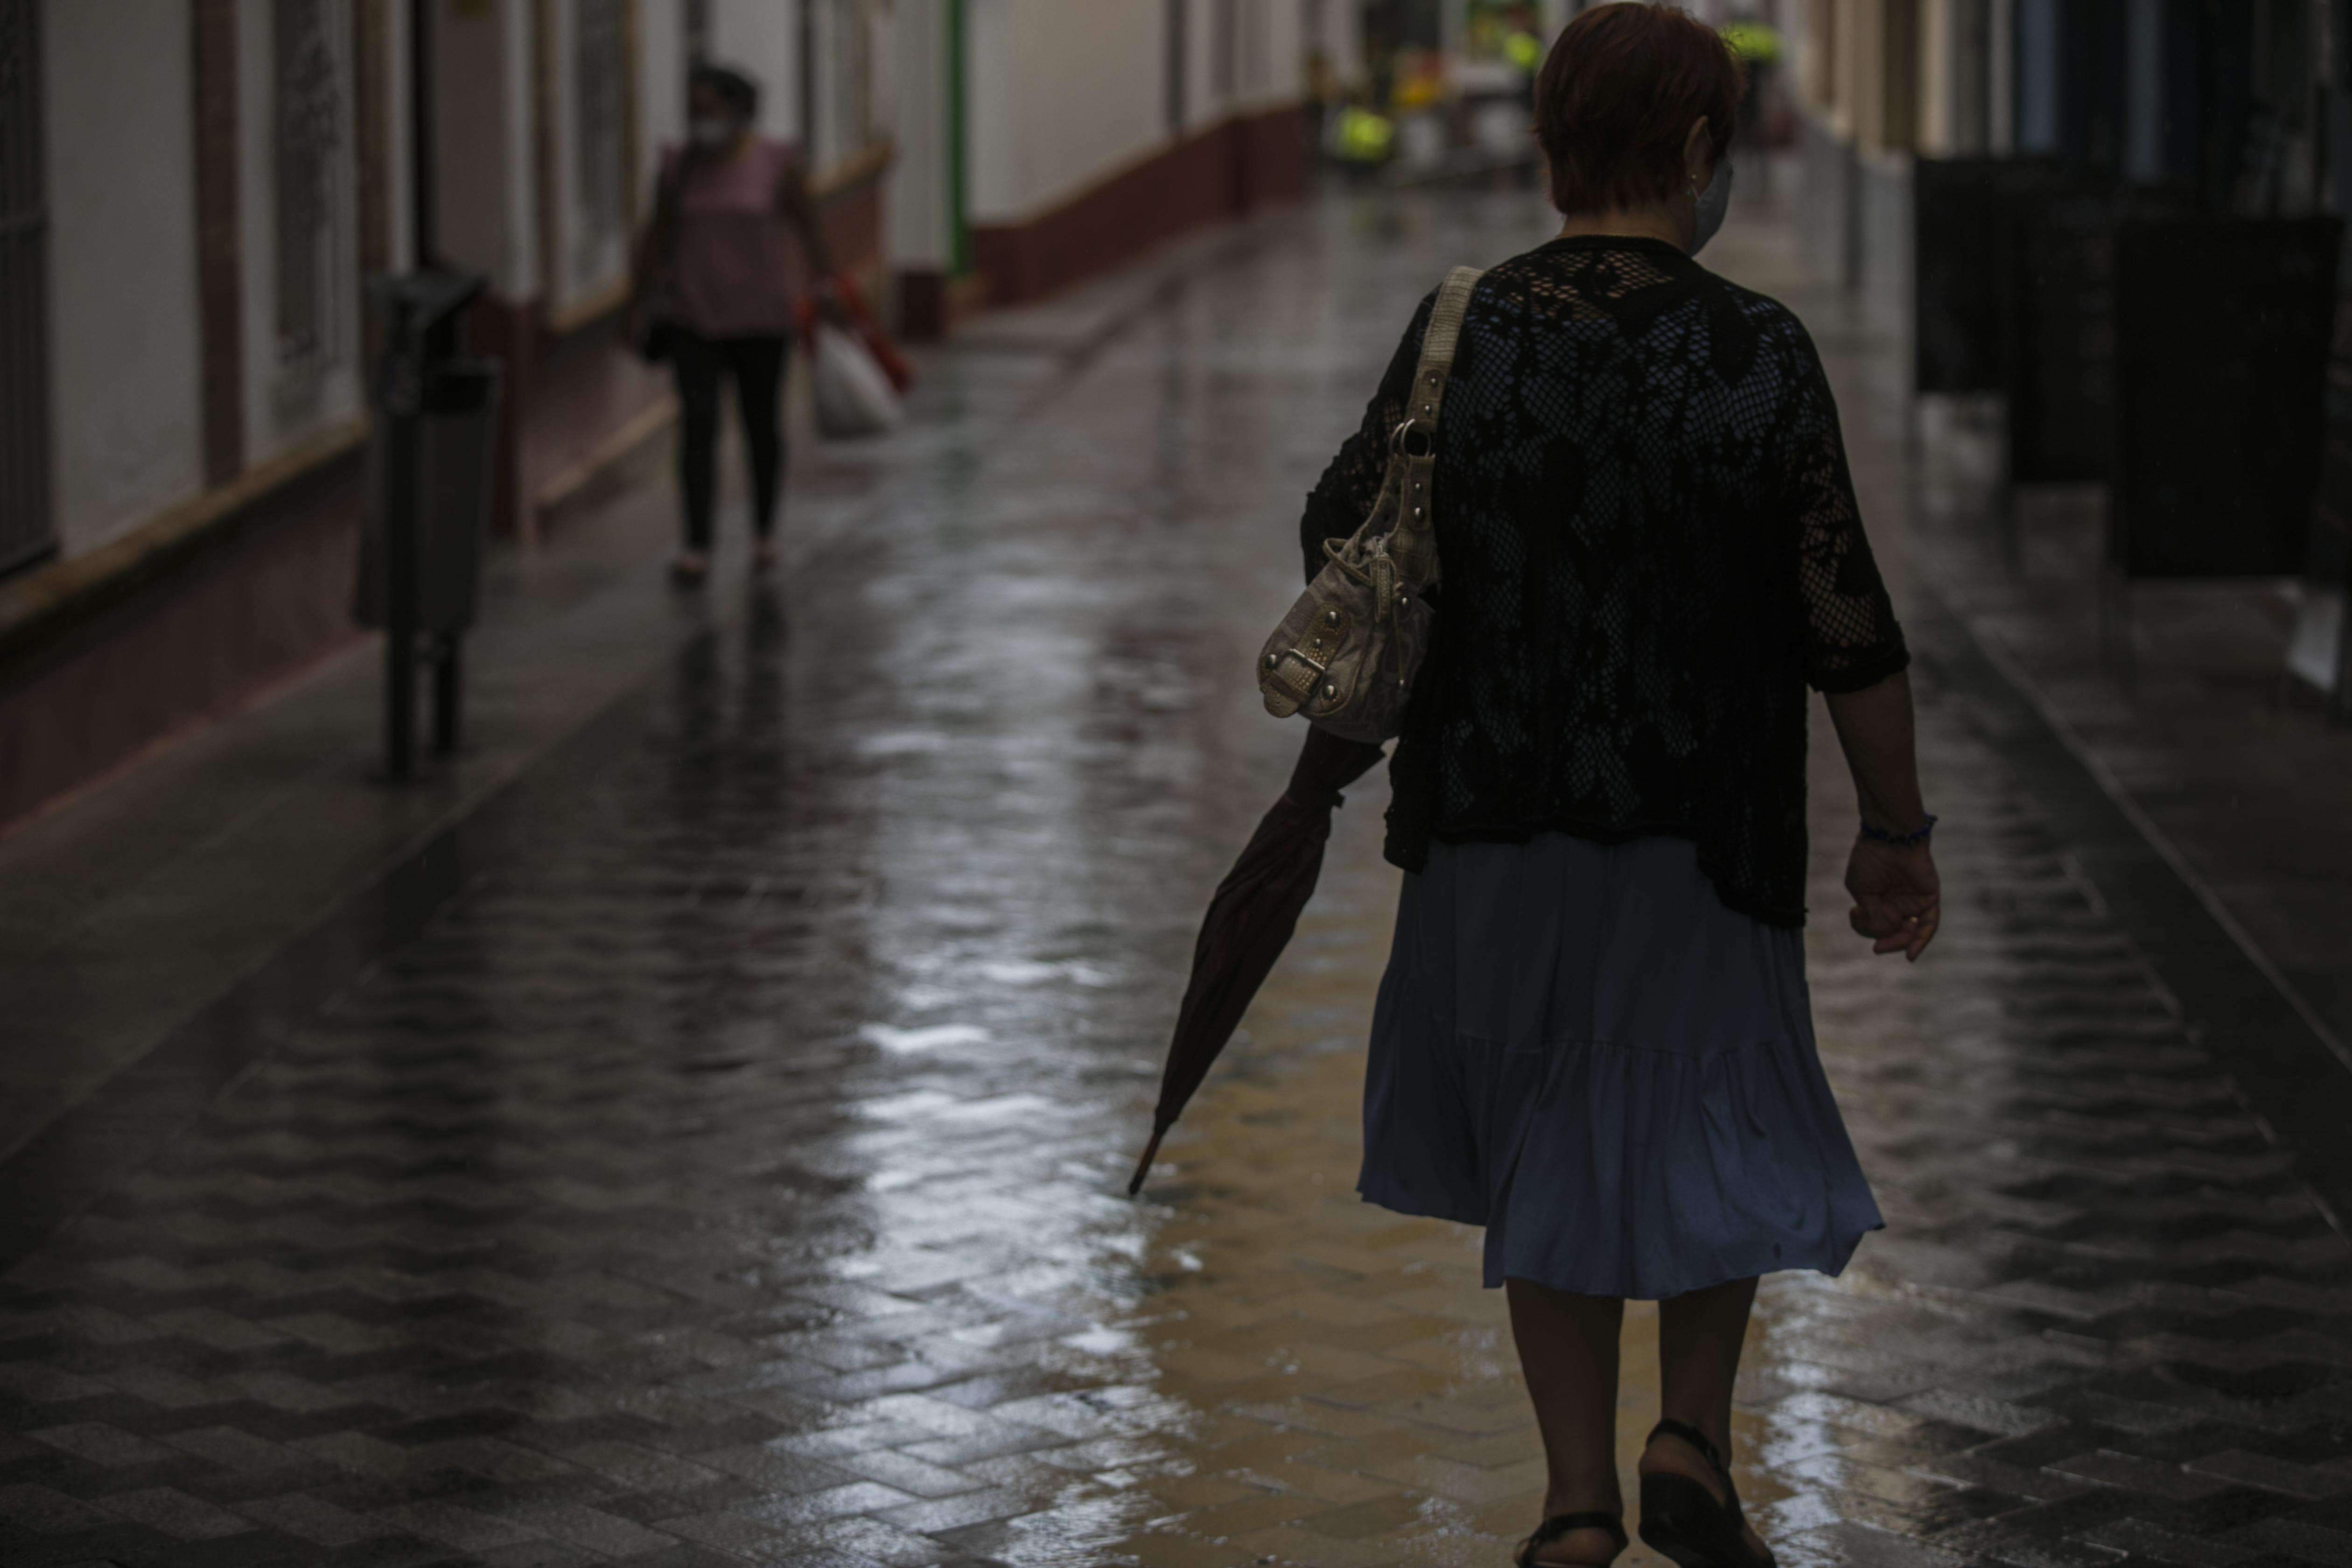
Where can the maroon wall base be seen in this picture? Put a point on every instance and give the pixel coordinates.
(1249, 162)
(512, 334)
(267, 599)
(922, 305)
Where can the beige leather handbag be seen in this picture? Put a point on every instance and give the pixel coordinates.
(1345, 655)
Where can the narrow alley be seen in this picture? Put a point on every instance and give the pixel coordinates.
(712, 1148)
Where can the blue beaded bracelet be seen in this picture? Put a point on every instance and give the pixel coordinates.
(1916, 835)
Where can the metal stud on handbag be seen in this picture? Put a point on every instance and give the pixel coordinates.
(1345, 655)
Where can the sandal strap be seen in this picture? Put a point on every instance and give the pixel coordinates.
(1686, 1432)
(1670, 1427)
(1560, 1524)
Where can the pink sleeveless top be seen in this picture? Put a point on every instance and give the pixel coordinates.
(731, 269)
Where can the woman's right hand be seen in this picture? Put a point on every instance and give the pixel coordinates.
(1897, 896)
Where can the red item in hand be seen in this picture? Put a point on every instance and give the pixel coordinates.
(861, 319)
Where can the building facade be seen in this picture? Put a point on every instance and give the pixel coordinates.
(2240, 106)
(192, 193)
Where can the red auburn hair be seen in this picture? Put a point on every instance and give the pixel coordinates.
(1617, 96)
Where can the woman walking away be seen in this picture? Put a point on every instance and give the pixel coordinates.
(1593, 1037)
(714, 294)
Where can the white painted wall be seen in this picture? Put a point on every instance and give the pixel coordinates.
(661, 89)
(1335, 27)
(2144, 91)
(2000, 79)
(1202, 106)
(1277, 56)
(761, 38)
(995, 189)
(484, 157)
(917, 220)
(1064, 93)
(400, 141)
(128, 422)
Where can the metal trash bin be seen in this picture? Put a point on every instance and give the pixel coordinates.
(456, 480)
(432, 468)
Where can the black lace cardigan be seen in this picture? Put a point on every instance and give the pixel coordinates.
(1650, 547)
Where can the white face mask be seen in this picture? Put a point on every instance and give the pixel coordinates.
(1707, 216)
(709, 133)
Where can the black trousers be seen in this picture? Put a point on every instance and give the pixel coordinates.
(757, 367)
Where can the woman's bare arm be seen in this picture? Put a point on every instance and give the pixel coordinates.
(1896, 892)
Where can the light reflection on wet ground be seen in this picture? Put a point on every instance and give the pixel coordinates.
(734, 1173)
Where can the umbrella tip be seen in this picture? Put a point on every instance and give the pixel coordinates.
(1143, 1166)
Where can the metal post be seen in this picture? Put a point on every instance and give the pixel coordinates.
(2118, 650)
(2339, 695)
(404, 406)
(424, 214)
(450, 694)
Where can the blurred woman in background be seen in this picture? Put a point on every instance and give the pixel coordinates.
(713, 295)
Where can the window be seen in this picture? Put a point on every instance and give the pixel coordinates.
(311, 169)
(24, 286)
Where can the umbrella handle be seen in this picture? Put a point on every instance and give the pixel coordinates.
(1143, 1166)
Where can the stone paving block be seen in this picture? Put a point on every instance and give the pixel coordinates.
(1294, 1543)
(100, 1444)
(1864, 1546)
(1977, 1411)
(849, 1498)
(2140, 1474)
(876, 1542)
(456, 1526)
(776, 1471)
(26, 1506)
(1995, 1544)
(46, 1384)
(176, 1514)
(2140, 1539)
(1242, 1515)
(2277, 1475)
(590, 1529)
(314, 1519)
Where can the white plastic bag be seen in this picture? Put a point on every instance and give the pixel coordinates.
(853, 396)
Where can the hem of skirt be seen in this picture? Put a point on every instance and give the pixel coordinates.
(1396, 1203)
(1830, 1261)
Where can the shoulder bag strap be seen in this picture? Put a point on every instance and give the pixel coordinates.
(1437, 344)
(1412, 449)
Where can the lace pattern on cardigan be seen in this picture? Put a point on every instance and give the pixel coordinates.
(1650, 546)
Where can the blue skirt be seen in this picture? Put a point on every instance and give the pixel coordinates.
(1578, 1047)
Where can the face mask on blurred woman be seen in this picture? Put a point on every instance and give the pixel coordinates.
(1712, 201)
(711, 133)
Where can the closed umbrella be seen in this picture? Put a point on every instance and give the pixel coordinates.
(1250, 920)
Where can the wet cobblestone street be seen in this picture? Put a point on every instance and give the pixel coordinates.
(725, 1162)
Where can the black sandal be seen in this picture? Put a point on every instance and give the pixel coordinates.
(1560, 1524)
(1681, 1519)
